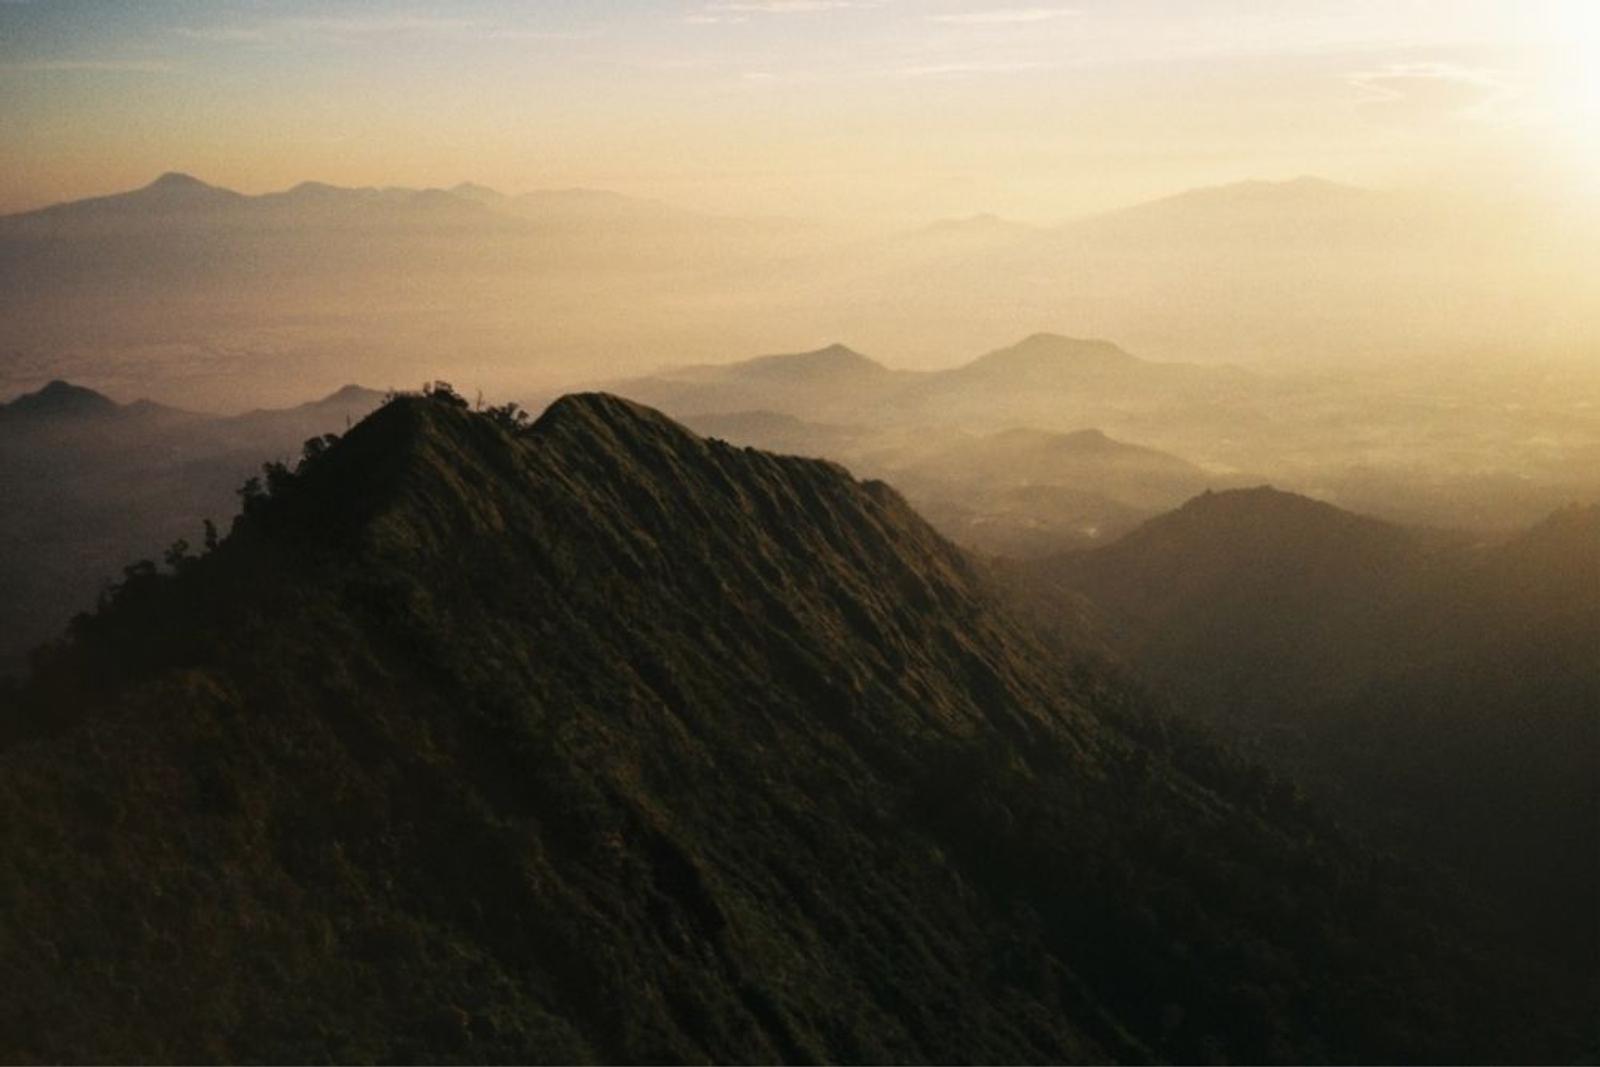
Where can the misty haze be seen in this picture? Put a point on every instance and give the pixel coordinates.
(800, 531)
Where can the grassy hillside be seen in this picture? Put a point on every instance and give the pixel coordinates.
(594, 740)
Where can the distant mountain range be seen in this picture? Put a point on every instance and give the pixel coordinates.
(558, 285)
(593, 740)
(1046, 377)
(179, 237)
(966, 444)
(179, 199)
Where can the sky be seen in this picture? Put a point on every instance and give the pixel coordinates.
(893, 109)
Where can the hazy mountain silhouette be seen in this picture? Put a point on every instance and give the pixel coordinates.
(92, 485)
(597, 740)
(59, 399)
(1048, 359)
(1243, 212)
(1044, 372)
(950, 439)
(1023, 492)
(179, 199)
(1015, 492)
(172, 194)
(605, 286)
(826, 383)
(773, 431)
(1445, 696)
(1305, 272)
(835, 365)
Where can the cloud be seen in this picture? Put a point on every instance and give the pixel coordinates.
(128, 66)
(955, 70)
(380, 25)
(727, 11)
(1419, 92)
(368, 27)
(1014, 16)
(224, 34)
(784, 7)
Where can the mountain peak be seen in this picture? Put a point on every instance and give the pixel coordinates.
(316, 188)
(351, 394)
(1056, 343)
(1052, 353)
(1265, 515)
(1258, 500)
(174, 180)
(607, 413)
(832, 361)
(478, 194)
(839, 351)
(172, 189)
(61, 398)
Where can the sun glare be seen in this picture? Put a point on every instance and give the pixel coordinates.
(1578, 27)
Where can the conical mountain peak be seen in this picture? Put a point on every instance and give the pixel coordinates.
(174, 180)
(61, 398)
(830, 362)
(176, 189)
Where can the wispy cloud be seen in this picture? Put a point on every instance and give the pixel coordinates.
(128, 66)
(382, 25)
(223, 34)
(1012, 16)
(1418, 91)
(726, 11)
(354, 28)
(956, 70)
(785, 7)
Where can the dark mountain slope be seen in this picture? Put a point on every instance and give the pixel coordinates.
(1260, 578)
(1482, 739)
(1446, 698)
(601, 740)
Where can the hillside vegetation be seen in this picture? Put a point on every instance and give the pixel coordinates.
(595, 740)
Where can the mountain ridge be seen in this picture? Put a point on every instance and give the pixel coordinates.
(174, 191)
(594, 739)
